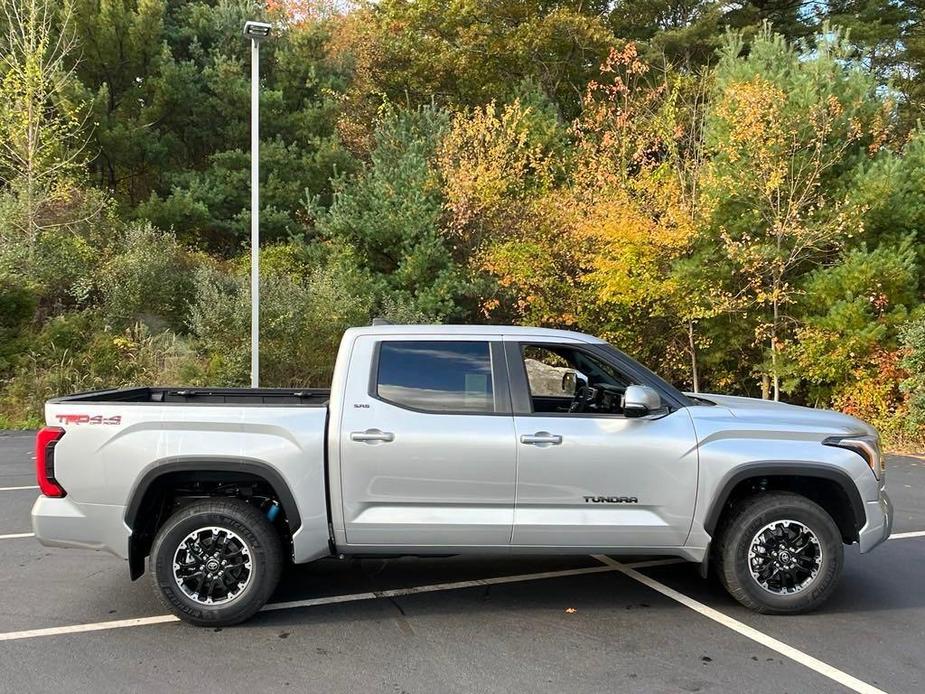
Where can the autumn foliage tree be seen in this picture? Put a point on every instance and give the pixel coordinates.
(637, 181)
(41, 124)
(783, 129)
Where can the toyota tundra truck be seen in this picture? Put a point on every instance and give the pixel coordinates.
(446, 440)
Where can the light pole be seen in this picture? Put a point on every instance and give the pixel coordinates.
(255, 31)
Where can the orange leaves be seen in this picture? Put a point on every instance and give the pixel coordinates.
(624, 65)
(531, 273)
(561, 243)
(874, 393)
(299, 12)
(616, 120)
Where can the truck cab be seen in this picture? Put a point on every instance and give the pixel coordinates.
(449, 440)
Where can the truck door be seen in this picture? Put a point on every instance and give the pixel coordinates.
(587, 475)
(427, 442)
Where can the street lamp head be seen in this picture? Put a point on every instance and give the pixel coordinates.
(257, 30)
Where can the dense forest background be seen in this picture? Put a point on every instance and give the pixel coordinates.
(733, 193)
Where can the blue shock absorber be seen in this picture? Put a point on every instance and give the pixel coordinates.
(273, 511)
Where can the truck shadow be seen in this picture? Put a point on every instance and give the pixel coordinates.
(883, 585)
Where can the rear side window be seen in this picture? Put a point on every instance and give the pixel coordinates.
(437, 376)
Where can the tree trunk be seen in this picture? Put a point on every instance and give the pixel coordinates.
(774, 374)
(695, 377)
(765, 387)
(30, 180)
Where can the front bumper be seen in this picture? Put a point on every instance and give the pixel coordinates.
(66, 523)
(879, 522)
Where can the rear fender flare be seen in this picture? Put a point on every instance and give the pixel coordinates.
(167, 466)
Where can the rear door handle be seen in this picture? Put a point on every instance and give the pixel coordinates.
(541, 437)
(372, 435)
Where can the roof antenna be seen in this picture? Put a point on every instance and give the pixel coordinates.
(381, 321)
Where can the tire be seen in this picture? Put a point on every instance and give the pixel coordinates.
(774, 523)
(182, 554)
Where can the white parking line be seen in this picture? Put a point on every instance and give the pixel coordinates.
(798, 656)
(16, 536)
(331, 600)
(83, 628)
(904, 536)
(16, 489)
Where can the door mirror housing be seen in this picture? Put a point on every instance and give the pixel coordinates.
(639, 401)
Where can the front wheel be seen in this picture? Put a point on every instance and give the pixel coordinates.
(780, 553)
(216, 562)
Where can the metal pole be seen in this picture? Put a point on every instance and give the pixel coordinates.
(255, 214)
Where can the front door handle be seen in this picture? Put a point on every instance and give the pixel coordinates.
(372, 435)
(541, 437)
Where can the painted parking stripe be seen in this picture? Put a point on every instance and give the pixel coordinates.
(904, 536)
(16, 489)
(16, 536)
(330, 600)
(84, 628)
(842, 678)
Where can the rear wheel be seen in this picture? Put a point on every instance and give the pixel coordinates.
(216, 562)
(780, 553)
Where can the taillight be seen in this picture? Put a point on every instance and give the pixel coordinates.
(45, 442)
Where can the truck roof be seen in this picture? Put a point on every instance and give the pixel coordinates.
(488, 330)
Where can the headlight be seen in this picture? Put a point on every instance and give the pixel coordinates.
(866, 446)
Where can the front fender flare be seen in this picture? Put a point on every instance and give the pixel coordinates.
(771, 468)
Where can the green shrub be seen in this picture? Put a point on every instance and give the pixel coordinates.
(76, 352)
(17, 308)
(913, 361)
(147, 277)
(302, 320)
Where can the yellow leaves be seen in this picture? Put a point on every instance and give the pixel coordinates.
(485, 160)
(535, 273)
(752, 112)
(635, 189)
(637, 234)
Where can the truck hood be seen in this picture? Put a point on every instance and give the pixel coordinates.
(780, 414)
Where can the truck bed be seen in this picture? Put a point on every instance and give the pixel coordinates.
(306, 397)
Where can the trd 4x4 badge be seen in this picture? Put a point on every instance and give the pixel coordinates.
(87, 419)
(611, 500)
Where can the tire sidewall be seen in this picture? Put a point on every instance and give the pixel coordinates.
(260, 539)
(814, 518)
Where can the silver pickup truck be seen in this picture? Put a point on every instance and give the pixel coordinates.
(437, 440)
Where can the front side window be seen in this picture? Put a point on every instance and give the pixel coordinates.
(565, 379)
(436, 376)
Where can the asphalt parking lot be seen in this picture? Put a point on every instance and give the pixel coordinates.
(71, 619)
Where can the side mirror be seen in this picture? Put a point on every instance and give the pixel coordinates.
(638, 401)
(569, 382)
